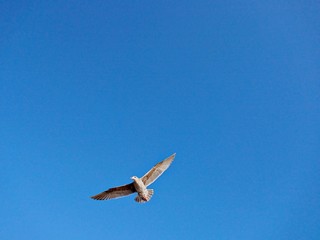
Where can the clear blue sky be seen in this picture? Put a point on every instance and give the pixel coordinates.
(93, 92)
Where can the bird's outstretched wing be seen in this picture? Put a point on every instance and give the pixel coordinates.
(115, 192)
(157, 170)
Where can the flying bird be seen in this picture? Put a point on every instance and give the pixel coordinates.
(138, 185)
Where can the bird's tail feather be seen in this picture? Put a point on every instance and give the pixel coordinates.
(145, 198)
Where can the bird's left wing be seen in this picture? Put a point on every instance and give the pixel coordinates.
(115, 192)
(157, 170)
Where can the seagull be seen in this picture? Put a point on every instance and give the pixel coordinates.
(138, 185)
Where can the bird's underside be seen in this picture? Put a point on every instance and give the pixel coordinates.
(138, 185)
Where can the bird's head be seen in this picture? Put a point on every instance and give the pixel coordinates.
(134, 178)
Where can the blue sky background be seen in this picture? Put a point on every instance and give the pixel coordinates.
(93, 92)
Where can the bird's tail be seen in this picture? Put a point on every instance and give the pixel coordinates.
(144, 198)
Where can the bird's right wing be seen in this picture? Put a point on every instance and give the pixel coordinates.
(115, 192)
(157, 170)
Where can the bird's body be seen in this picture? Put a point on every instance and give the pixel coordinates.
(144, 194)
(138, 185)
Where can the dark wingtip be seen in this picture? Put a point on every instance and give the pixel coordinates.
(95, 198)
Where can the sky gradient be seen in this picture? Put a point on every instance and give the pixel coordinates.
(94, 92)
